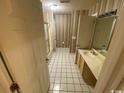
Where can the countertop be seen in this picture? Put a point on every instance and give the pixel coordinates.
(94, 62)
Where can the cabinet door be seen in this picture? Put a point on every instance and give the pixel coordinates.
(20, 56)
(78, 60)
(85, 30)
(81, 64)
(76, 56)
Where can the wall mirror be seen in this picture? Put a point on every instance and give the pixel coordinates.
(103, 33)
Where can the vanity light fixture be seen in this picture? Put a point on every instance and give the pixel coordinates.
(54, 6)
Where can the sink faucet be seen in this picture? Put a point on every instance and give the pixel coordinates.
(93, 52)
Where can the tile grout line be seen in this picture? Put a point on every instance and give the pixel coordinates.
(65, 57)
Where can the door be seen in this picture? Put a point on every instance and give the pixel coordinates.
(85, 30)
(23, 52)
(7, 82)
(22, 39)
(63, 30)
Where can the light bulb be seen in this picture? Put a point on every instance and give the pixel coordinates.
(54, 6)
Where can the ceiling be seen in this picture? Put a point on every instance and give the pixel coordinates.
(72, 5)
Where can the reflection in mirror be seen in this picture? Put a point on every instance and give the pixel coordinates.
(103, 33)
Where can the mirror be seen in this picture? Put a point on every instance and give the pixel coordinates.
(103, 33)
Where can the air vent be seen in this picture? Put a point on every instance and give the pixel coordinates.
(65, 1)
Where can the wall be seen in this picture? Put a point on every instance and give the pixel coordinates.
(85, 30)
(117, 78)
(112, 75)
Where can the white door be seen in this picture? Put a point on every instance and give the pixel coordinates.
(22, 40)
(5, 78)
(26, 55)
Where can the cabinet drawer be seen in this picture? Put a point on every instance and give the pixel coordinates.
(88, 76)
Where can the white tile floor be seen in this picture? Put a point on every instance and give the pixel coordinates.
(64, 74)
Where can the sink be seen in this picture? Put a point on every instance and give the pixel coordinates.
(86, 52)
(93, 52)
(89, 54)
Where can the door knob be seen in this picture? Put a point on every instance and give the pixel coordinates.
(47, 60)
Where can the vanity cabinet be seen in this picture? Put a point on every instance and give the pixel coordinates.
(88, 76)
(90, 65)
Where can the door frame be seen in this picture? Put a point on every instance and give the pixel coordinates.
(48, 37)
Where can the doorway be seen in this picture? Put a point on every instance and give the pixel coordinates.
(63, 30)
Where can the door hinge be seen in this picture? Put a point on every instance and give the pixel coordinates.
(14, 86)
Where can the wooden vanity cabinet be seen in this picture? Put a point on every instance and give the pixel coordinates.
(88, 76)
(87, 68)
